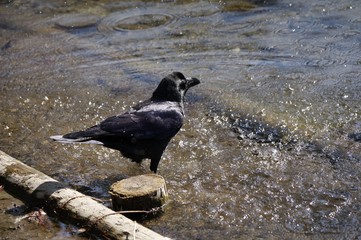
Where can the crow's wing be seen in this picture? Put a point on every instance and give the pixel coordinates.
(143, 125)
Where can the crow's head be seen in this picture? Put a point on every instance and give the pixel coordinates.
(173, 87)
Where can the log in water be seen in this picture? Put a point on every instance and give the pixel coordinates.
(36, 187)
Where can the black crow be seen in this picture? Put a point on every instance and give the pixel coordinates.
(145, 130)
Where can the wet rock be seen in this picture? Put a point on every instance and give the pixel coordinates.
(6, 45)
(143, 22)
(257, 131)
(76, 21)
(355, 136)
(5, 1)
(232, 6)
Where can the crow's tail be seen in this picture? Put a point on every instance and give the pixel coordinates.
(76, 137)
(87, 136)
(62, 139)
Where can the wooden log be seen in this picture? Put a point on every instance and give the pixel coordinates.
(36, 187)
(143, 193)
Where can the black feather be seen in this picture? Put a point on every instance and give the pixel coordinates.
(144, 131)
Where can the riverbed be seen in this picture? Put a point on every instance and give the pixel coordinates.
(270, 147)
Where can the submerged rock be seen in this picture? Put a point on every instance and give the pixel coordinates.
(6, 45)
(257, 131)
(76, 21)
(355, 136)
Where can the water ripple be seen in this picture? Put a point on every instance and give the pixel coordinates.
(135, 20)
(324, 62)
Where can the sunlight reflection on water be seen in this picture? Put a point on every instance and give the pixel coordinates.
(265, 149)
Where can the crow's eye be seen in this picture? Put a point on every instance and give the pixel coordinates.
(182, 85)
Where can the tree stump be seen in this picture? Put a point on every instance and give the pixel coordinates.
(139, 194)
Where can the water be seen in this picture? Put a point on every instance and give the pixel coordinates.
(265, 151)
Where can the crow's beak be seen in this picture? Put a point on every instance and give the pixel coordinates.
(192, 82)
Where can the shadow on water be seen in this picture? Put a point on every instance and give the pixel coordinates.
(270, 144)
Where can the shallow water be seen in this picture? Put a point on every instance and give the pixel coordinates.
(265, 150)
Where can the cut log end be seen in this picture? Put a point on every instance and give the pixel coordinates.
(140, 193)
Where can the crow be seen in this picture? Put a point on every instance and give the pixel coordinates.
(145, 130)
